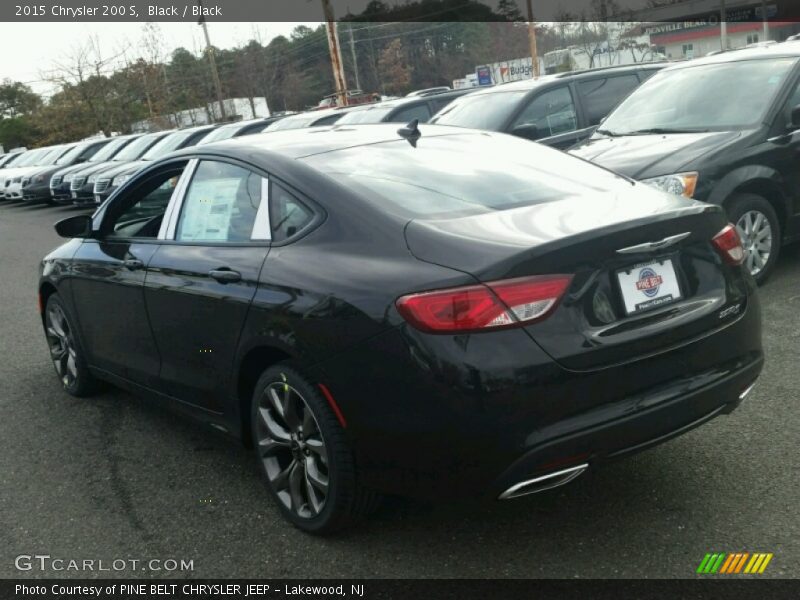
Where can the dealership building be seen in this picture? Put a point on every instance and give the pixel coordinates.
(692, 29)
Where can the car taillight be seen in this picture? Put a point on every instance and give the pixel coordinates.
(495, 304)
(729, 245)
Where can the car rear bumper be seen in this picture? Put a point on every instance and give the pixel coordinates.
(426, 421)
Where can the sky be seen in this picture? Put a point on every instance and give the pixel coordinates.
(33, 62)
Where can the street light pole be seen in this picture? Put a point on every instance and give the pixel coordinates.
(213, 61)
(336, 53)
(723, 26)
(355, 58)
(532, 40)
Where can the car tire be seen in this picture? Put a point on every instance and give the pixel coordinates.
(756, 220)
(300, 445)
(66, 351)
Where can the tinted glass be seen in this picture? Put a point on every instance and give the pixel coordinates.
(52, 156)
(715, 96)
(292, 123)
(551, 112)
(30, 157)
(287, 214)
(136, 148)
(406, 115)
(599, 96)
(145, 207)
(329, 120)
(221, 204)
(463, 174)
(480, 111)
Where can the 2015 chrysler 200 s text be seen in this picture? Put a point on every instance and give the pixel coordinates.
(429, 312)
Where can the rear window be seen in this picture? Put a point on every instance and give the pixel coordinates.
(462, 174)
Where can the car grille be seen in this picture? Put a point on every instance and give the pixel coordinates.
(101, 185)
(77, 183)
(56, 181)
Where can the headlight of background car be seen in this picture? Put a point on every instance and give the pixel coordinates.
(92, 178)
(120, 179)
(39, 179)
(680, 184)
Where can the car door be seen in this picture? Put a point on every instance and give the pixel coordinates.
(202, 278)
(549, 117)
(109, 273)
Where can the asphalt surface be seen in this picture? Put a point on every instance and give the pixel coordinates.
(114, 477)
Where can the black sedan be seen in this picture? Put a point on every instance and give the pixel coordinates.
(432, 311)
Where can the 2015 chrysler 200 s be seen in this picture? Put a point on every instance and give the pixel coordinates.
(427, 311)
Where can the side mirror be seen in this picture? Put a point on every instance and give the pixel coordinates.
(795, 124)
(529, 132)
(79, 226)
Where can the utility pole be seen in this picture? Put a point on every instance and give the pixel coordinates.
(532, 40)
(723, 25)
(336, 53)
(355, 58)
(765, 19)
(212, 61)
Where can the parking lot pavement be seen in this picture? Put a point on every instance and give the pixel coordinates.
(113, 477)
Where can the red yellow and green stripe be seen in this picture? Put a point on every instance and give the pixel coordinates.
(734, 562)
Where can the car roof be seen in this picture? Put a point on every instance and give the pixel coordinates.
(410, 100)
(783, 50)
(299, 143)
(525, 85)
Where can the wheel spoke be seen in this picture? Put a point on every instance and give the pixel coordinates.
(281, 481)
(271, 446)
(315, 503)
(276, 402)
(274, 429)
(315, 476)
(291, 406)
(318, 447)
(296, 487)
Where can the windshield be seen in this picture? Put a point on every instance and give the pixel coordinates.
(168, 144)
(216, 135)
(480, 111)
(369, 115)
(9, 159)
(71, 155)
(295, 123)
(50, 157)
(110, 149)
(719, 96)
(29, 157)
(460, 174)
(136, 148)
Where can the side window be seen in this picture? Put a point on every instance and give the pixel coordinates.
(551, 113)
(601, 95)
(406, 115)
(221, 204)
(288, 215)
(139, 212)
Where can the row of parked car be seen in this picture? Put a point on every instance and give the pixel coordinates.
(720, 129)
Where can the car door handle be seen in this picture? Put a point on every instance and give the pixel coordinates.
(133, 264)
(225, 275)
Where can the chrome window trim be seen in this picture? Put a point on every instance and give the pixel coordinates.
(262, 229)
(170, 222)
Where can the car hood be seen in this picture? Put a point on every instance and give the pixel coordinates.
(6, 174)
(92, 168)
(119, 169)
(643, 156)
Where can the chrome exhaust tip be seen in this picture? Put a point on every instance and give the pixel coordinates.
(542, 483)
